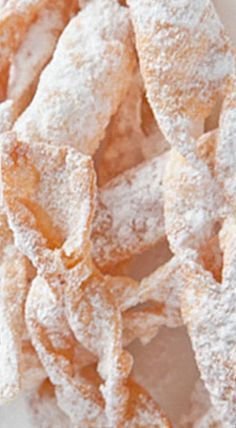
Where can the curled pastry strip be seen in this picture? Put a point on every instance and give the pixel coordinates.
(121, 147)
(208, 309)
(16, 17)
(132, 135)
(129, 216)
(192, 203)
(75, 98)
(96, 322)
(55, 346)
(150, 303)
(13, 290)
(30, 58)
(225, 146)
(193, 63)
(143, 322)
(6, 116)
(35, 178)
(194, 207)
(161, 286)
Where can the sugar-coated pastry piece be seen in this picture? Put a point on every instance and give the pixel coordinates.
(186, 59)
(6, 116)
(150, 303)
(85, 82)
(158, 294)
(55, 346)
(192, 203)
(208, 309)
(225, 146)
(142, 323)
(31, 57)
(16, 16)
(161, 286)
(96, 321)
(13, 290)
(121, 147)
(48, 193)
(129, 216)
(132, 135)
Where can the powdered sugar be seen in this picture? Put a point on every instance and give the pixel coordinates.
(6, 116)
(130, 213)
(212, 327)
(75, 97)
(32, 56)
(226, 145)
(16, 18)
(44, 228)
(193, 62)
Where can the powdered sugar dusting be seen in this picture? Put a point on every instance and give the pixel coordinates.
(75, 97)
(13, 288)
(16, 18)
(6, 116)
(193, 61)
(226, 146)
(212, 326)
(70, 355)
(192, 201)
(43, 227)
(130, 213)
(32, 56)
(46, 322)
(121, 148)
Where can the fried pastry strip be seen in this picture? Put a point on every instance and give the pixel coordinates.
(129, 216)
(85, 82)
(34, 179)
(192, 203)
(30, 59)
(16, 17)
(13, 291)
(6, 116)
(208, 309)
(225, 146)
(96, 322)
(186, 61)
(121, 147)
(55, 346)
